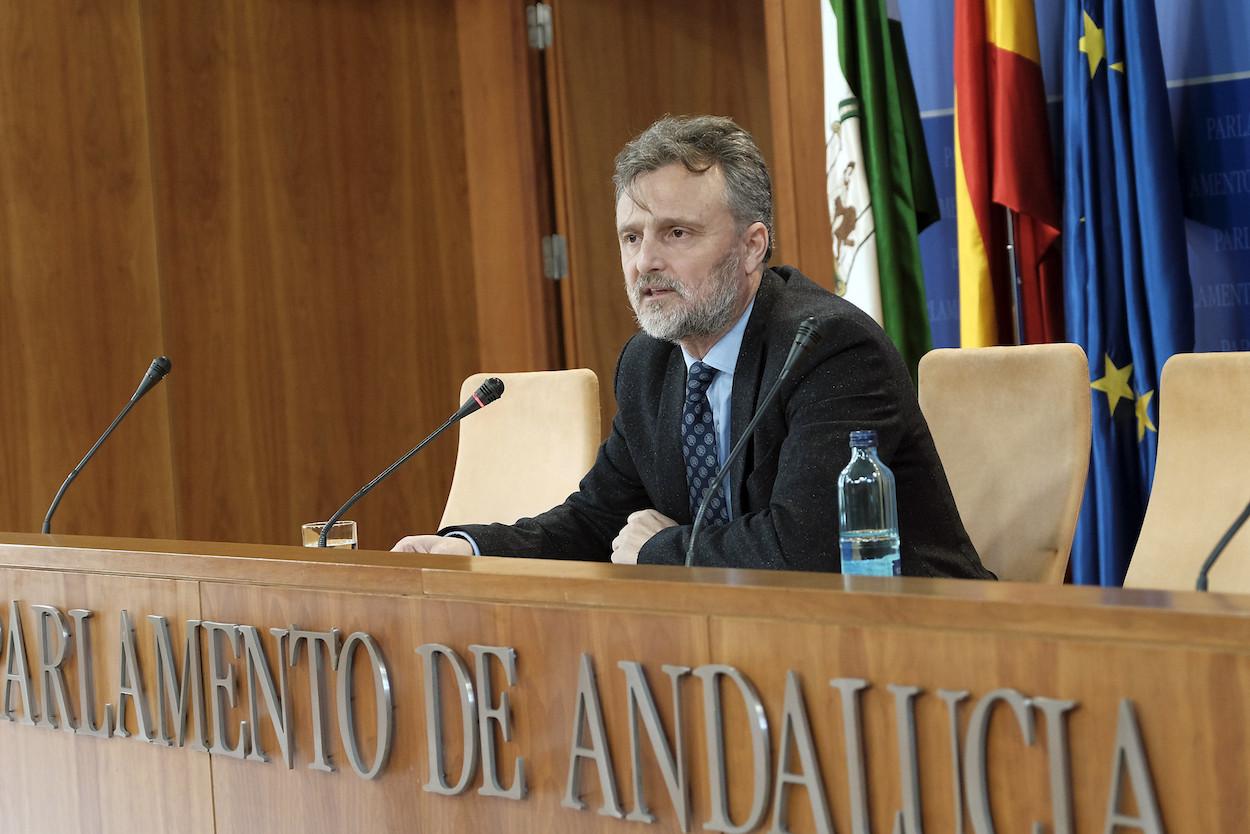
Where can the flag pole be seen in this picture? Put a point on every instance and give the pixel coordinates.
(1013, 262)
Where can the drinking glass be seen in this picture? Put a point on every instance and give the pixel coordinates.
(342, 534)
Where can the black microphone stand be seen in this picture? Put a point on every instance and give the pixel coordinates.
(365, 490)
(159, 368)
(486, 393)
(1201, 584)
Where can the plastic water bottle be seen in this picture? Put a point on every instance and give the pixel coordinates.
(867, 512)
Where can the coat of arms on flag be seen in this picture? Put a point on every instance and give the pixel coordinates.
(879, 185)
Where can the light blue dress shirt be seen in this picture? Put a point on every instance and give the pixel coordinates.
(723, 356)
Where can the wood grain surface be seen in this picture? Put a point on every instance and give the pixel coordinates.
(550, 642)
(1181, 658)
(516, 305)
(327, 214)
(796, 99)
(79, 299)
(70, 782)
(310, 179)
(251, 796)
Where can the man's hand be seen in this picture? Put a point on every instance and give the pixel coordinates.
(453, 545)
(638, 530)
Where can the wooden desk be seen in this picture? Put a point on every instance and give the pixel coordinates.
(1168, 670)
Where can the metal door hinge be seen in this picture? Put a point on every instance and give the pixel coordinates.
(555, 257)
(538, 19)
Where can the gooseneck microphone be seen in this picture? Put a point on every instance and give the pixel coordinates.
(486, 393)
(156, 372)
(1201, 584)
(806, 336)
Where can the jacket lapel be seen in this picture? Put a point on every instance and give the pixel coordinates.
(748, 379)
(673, 498)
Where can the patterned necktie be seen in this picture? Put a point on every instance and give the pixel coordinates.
(698, 445)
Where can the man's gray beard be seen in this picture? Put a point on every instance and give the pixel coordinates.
(694, 319)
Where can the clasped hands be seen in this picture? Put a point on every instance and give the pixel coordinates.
(638, 530)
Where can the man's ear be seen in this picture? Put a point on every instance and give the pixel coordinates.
(756, 239)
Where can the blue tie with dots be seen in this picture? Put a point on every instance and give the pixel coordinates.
(698, 444)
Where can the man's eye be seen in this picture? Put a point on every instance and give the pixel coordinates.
(679, 233)
(630, 238)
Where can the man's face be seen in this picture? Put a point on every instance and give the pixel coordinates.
(682, 254)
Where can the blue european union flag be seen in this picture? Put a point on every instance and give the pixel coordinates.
(1127, 290)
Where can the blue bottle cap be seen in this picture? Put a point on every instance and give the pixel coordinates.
(863, 439)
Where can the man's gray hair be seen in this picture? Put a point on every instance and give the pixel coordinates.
(701, 143)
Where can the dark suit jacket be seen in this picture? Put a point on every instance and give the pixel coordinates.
(784, 486)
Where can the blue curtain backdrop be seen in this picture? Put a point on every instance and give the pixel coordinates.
(1207, 69)
(1207, 65)
(1128, 295)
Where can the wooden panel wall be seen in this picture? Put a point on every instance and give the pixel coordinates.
(79, 299)
(274, 193)
(618, 67)
(796, 98)
(310, 172)
(505, 142)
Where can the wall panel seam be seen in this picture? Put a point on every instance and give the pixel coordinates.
(162, 317)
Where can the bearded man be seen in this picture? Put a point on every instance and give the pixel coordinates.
(694, 220)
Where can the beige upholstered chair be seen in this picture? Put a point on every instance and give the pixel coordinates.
(1202, 475)
(527, 452)
(1012, 426)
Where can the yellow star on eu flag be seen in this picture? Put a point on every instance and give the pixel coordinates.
(1143, 415)
(1094, 44)
(1114, 384)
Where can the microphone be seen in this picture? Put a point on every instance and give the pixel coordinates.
(486, 393)
(1201, 584)
(156, 372)
(806, 336)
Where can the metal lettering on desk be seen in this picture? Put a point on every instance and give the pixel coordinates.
(242, 656)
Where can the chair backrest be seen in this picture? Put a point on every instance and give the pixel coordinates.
(1201, 475)
(527, 452)
(1012, 426)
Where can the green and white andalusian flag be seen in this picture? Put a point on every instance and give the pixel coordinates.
(881, 192)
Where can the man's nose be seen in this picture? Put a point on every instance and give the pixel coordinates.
(650, 256)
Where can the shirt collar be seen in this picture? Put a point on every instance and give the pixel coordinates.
(723, 355)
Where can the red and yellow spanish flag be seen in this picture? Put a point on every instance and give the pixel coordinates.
(1003, 161)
